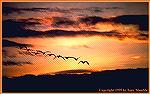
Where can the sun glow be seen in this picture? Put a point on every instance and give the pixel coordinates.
(70, 42)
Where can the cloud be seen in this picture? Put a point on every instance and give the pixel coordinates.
(85, 46)
(79, 71)
(92, 20)
(136, 57)
(94, 9)
(15, 30)
(61, 21)
(82, 46)
(114, 27)
(141, 20)
(6, 54)
(11, 53)
(12, 63)
(8, 10)
(7, 43)
(113, 8)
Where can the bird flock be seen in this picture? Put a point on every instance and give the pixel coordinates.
(48, 53)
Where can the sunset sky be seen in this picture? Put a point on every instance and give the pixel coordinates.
(107, 35)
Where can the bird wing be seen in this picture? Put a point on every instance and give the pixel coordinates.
(87, 62)
(80, 61)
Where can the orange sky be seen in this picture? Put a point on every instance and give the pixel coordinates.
(102, 52)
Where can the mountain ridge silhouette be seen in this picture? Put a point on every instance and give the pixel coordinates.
(119, 78)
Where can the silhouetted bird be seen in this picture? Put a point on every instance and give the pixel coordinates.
(29, 49)
(46, 52)
(22, 47)
(84, 62)
(73, 58)
(58, 56)
(52, 55)
(76, 58)
(39, 51)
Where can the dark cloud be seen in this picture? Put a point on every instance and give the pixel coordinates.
(28, 22)
(73, 71)
(141, 20)
(10, 53)
(6, 54)
(12, 63)
(82, 46)
(142, 36)
(59, 21)
(92, 20)
(7, 43)
(26, 53)
(8, 10)
(17, 28)
(113, 8)
(94, 9)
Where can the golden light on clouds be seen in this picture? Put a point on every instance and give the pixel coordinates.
(136, 57)
(92, 33)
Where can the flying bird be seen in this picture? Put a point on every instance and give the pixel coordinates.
(73, 58)
(39, 51)
(52, 55)
(76, 58)
(29, 49)
(22, 47)
(58, 56)
(35, 53)
(46, 52)
(85, 62)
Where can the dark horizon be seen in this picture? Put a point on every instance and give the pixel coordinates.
(63, 47)
(110, 79)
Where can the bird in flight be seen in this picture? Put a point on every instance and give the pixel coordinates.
(23, 47)
(85, 62)
(35, 53)
(73, 58)
(46, 52)
(52, 55)
(39, 51)
(76, 58)
(58, 56)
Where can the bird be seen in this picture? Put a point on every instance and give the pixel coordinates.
(35, 53)
(73, 58)
(52, 55)
(46, 52)
(76, 58)
(85, 62)
(39, 51)
(29, 49)
(58, 56)
(43, 52)
(21, 47)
